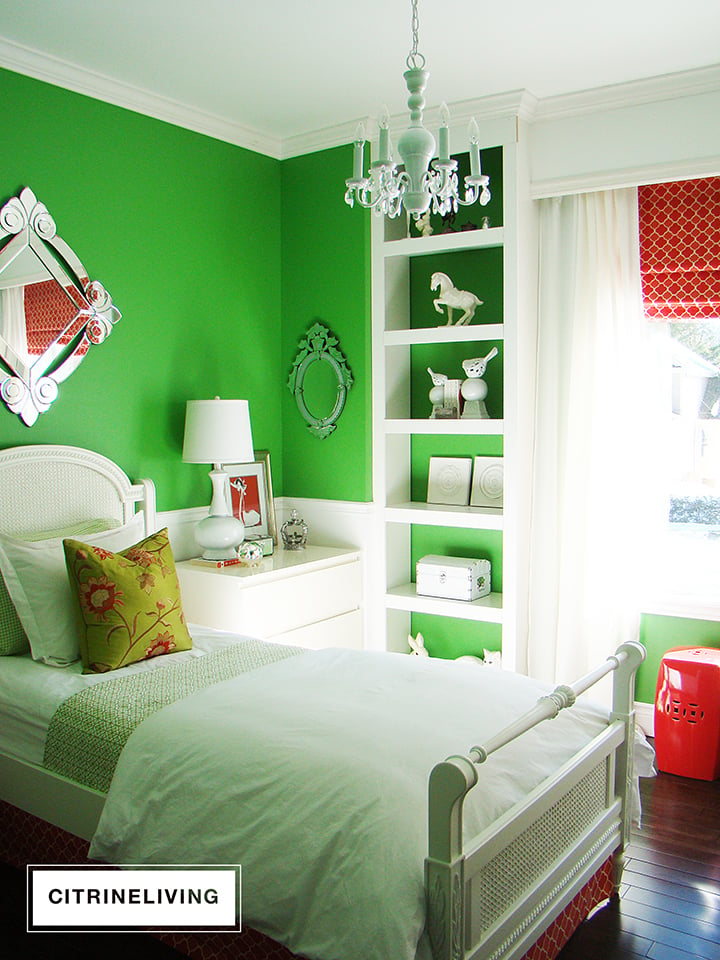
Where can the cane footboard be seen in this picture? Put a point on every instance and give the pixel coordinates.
(490, 897)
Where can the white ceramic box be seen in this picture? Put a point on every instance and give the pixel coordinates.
(452, 578)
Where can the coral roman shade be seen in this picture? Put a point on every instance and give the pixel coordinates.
(680, 249)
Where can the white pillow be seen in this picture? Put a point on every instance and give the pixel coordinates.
(37, 581)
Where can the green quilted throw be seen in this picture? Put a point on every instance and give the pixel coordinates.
(88, 730)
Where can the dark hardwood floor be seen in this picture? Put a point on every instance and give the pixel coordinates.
(669, 908)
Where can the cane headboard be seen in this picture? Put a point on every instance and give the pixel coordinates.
(51, 487)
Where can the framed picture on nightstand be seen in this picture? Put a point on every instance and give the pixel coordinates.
(251, 495)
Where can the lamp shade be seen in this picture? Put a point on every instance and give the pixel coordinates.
(218, 431)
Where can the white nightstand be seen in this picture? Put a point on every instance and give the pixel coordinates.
(307, 597)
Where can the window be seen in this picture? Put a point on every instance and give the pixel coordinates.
(680, 265)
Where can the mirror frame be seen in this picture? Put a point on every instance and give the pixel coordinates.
(29, 385)
(320, 346)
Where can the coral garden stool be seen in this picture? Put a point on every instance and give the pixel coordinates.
(687, 713)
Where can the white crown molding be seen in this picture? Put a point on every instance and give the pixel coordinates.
(520, 104)
(60, 73)
(325, 139)
(503, 106)
(671, 86)
(515, 103)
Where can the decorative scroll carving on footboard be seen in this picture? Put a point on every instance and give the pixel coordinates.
(445, 914)
(449, 783)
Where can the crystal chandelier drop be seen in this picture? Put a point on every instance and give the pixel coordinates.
(421, 182)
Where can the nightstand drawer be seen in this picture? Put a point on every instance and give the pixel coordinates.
(272, 608)
(343, 631)
(273, 600)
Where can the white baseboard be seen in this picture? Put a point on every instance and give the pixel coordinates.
(645, 716)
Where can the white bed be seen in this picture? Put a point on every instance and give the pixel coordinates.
(502, 862)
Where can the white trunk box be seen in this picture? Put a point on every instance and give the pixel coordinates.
(452, 578)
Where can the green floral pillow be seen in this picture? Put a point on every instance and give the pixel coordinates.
(129, 602)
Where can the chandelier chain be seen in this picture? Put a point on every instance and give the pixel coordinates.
(415, 60)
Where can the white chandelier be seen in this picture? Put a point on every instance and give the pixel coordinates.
(387, 191)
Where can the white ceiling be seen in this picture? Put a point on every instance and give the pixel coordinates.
(282, 69)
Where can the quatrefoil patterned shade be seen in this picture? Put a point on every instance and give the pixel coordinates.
(680, 249)
(48, 312)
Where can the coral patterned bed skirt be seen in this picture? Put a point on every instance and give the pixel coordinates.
(27, 839)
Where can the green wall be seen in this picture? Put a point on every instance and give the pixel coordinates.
(659, 634)
(169, 221)
(326, 278)
(219, 259)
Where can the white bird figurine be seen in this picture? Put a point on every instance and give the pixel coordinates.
(478, 366)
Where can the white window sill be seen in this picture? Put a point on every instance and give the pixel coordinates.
(682, 575)
(687, 608)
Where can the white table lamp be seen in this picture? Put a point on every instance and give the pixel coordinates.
(218, 431)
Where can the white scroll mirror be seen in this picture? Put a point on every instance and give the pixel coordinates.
(51, 313)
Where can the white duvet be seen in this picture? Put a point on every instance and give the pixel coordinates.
(312, 773)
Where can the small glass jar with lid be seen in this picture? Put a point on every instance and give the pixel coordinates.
(294, 532)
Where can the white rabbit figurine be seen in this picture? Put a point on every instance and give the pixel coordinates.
(417, 645)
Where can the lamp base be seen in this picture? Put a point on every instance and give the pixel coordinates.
(219, 536)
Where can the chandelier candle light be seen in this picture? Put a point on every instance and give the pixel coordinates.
(387, 191)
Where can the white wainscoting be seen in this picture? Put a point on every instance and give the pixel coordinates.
(180, 524)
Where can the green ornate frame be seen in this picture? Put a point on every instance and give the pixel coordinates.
(320, 346)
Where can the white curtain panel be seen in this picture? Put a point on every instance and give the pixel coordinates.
(12, 320)
(591, 443)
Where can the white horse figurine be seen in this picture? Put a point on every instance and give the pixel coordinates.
(450, 297)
